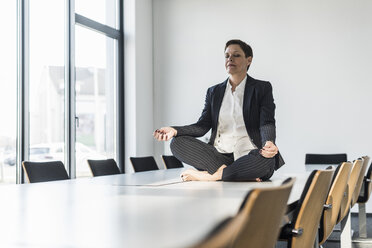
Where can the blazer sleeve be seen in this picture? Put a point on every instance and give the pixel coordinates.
(203, 125)
(267, 115)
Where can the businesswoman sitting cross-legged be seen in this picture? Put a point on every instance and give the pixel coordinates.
(240, 112)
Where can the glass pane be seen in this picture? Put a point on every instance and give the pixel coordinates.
(8, 91)
(103, 11)
(95, 97)
(47, 80)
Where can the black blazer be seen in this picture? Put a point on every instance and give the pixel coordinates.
(258, 114)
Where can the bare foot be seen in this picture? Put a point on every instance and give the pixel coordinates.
(195, 175)
(191, 170)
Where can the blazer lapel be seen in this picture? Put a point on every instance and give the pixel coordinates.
(248, 93)
(217, 102)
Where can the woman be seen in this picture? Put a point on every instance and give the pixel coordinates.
(240, 111)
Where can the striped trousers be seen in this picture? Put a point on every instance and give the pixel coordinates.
(205, 157)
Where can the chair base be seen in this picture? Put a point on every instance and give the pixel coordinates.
(363, 241)
(362, 217)
(341, 233)
(343, 237)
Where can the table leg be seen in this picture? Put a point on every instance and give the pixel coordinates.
(345, 237)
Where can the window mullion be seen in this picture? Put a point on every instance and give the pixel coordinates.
(22, 140)
(70, 116)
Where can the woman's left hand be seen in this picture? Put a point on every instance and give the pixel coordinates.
(269, 150)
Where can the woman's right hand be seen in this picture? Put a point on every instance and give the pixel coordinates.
(269, 150)
(164, 133)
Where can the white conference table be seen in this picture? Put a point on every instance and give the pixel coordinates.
(147, 209)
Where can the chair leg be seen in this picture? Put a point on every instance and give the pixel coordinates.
(316, 242)
(345, 237)
(363, 237)
(362, 220)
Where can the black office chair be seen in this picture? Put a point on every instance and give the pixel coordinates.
(325, 158)
(143, 163)
(44, 171)
(103, 167)
(171, 162)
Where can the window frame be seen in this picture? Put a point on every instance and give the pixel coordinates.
(23, 122)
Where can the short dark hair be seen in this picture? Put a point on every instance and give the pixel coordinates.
(247, 49)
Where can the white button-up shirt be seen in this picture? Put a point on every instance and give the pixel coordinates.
(232, 136)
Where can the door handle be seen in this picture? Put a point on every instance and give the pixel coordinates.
(77, 121)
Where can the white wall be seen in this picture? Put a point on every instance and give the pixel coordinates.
(317, 54)
(138, 79)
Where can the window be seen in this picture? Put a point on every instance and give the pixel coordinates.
(95, 85)
(8, 91)
(47, 80)
(41, 90)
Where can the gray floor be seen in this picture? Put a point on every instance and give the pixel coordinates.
(355, 227)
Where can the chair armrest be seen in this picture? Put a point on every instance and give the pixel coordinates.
(327, 206)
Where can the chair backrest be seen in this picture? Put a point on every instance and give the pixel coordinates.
(309, 209)
(366, 190)
(257, 224)
(143, 163)
(362, 174)
(346, 201)
(44, 171)
(333, 201)
(103, 167)
(171, 162)
(325, 158)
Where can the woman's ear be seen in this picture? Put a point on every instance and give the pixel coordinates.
(249, 60)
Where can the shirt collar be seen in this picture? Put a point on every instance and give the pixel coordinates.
(240, 87)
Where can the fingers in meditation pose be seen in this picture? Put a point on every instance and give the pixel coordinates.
(164, 133)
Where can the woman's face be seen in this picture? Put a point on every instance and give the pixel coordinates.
(235, 60)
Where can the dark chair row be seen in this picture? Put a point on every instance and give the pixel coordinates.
(149, 163)
(55, 170)
(109, 166)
